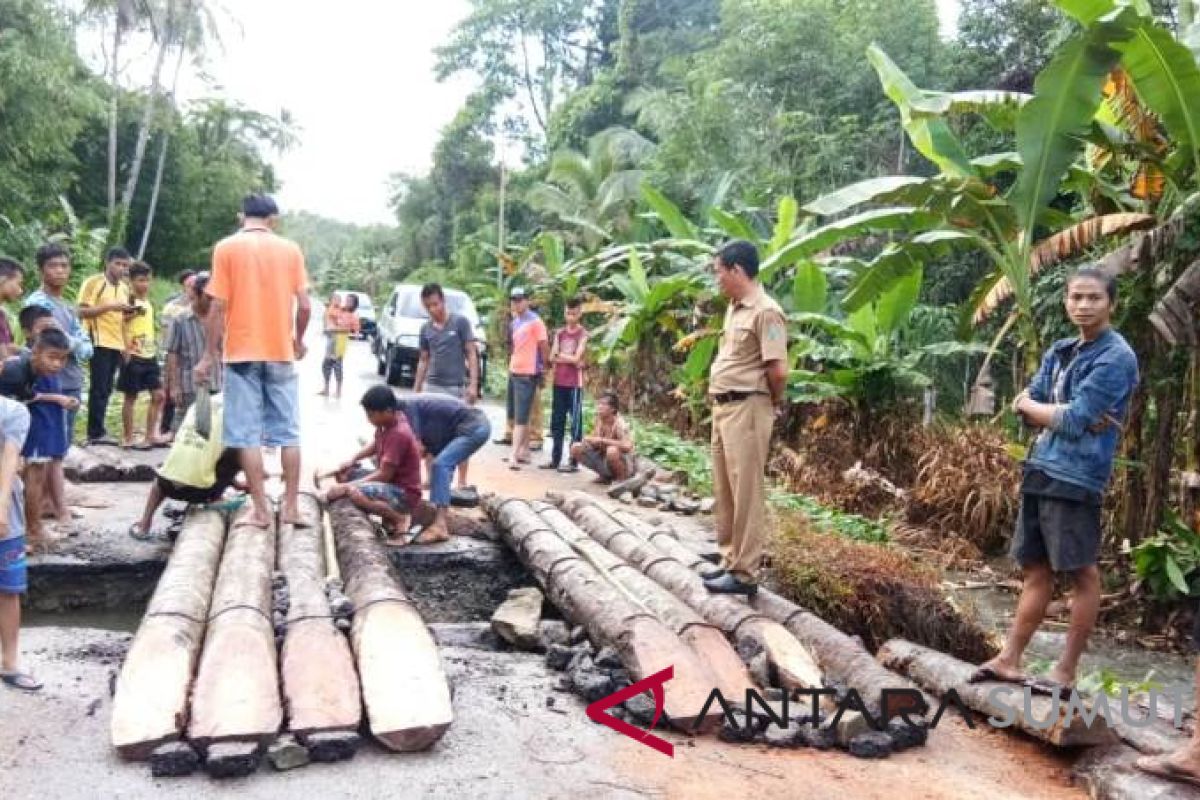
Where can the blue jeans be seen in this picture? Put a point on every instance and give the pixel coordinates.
(262, 404)
(457, 451)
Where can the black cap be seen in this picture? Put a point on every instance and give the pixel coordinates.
(259, 205)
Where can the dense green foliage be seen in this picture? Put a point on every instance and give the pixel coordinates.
(54, 139)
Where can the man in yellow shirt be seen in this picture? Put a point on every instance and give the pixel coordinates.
(139, 366)
(104, 308)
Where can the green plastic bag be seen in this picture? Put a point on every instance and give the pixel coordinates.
(193, 458)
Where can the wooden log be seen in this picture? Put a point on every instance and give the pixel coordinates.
(796, 667)
(644, 643)
(404, 687)
(236, 698)
(842, 658)
(939, 673)
(1109, 773)
(88, 466)
(320, 685)
(150, 705)
(728, 672)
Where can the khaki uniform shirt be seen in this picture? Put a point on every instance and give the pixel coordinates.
(754, 333)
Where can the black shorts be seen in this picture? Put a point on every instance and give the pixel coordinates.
(183, 493)
(1065, 533)
(139, 375)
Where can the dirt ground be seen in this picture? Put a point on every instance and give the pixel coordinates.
(515, 734)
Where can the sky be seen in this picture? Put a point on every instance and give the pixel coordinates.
(357, 76)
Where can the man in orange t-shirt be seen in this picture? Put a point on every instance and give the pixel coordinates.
(530, 354)
(258, 282)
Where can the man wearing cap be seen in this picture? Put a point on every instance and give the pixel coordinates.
(259, 314)
(746, 386)
(530, 350)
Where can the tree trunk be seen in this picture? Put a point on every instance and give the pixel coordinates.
(1174, 316)
(151, 701)
(629, 538)
(143, 136)
(320, 685)
(1135, 483)
(712, 649)
(939, 673)
(237, 688)
(115, 88)
(1158, 489)
(646, 646)
(842, 658)
(404, 688)
(162, 161)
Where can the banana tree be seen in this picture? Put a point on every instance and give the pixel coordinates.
(962, 206)
(861, 357)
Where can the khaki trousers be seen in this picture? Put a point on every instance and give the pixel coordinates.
(741, 437)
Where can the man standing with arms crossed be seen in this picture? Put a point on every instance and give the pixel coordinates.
(258, 278)
(105, 308)
(747, 388)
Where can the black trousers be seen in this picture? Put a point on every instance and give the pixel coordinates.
(104, 364)
(568, 400)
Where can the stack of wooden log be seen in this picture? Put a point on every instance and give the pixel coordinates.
(207, 680)
(639, 594)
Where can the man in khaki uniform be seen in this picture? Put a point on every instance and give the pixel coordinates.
(746, 387)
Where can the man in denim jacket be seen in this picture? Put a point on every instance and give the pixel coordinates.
(1078, 398)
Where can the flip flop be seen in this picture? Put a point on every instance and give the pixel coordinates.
(418, 538)
(246, 522)
(1049, 688)
(515, 467)
(136, 531)
(142, 446)
(1162, 767)
(985, 674)
(21, 680)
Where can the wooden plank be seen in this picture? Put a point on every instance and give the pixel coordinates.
(629, 537)
(150, 705)
(404, 687)
(580, 591)
(236, 698)
(939, 673)
(320, 685)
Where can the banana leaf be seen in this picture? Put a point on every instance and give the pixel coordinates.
(813, 242)
(785, 223)
(733, 225)
(1051, 126)
(869, 191)
(931, 136)
(676, 223)
(998, 107)
(1167, 80)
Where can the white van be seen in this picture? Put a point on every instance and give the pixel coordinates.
(398, 332)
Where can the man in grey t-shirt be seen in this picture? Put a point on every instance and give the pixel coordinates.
(449, 359)
(449, 356)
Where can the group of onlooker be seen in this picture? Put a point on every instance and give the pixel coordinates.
(112, 330)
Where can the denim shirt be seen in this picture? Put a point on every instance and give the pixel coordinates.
(1096, 383)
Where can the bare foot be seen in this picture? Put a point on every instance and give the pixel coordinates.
(255, 519)
(292, 516)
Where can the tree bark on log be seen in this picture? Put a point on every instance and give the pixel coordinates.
(1108, 773)
(404, 687)
(795, 665)
(709, 644)
(151, 701)
(85, 466)
(939, 673)
(237, 687)
(842, 658)
(580, 591)
(320, 685)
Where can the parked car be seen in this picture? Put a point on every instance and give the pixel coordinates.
(397, 339)
(365, 311)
